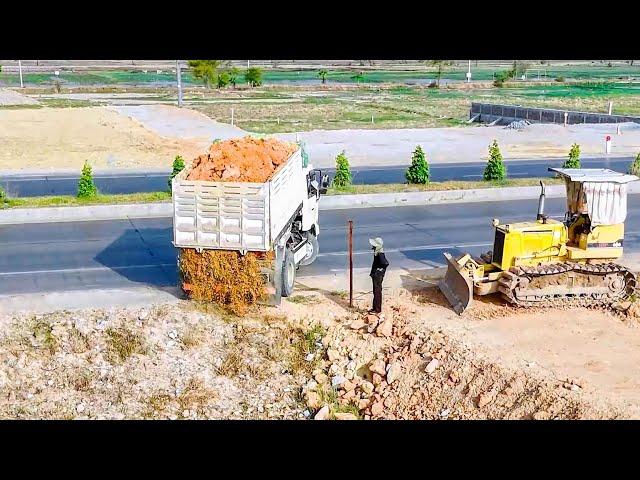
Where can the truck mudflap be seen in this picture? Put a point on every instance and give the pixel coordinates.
(457, 284)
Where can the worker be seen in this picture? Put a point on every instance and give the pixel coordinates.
(378, 269)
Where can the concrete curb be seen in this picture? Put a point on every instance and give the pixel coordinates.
(333, 202)
(88, 213)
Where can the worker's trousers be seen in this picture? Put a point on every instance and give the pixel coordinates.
(377, 278)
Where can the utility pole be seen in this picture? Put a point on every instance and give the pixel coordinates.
(20, 68)
(179, 77)
(350, 246)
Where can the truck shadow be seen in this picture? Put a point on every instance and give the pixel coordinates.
(143, 256)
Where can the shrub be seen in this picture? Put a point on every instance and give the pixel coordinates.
(178, 166)
(342, 178)
(253, 76)
(3, 198)
(559, 79)
(418, 172)
(86, 187)
(495, 169)
(224, 79)
(634, 168)
(574, 157)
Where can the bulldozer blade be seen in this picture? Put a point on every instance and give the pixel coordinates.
(456, 285)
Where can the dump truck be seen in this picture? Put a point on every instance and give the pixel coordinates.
(547, 262)
(279, 215)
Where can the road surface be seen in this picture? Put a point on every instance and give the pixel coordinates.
(38, 258)
(154, 181)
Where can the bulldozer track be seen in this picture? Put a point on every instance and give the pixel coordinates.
(513, 284)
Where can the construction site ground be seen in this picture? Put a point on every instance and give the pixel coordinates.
(315, 357)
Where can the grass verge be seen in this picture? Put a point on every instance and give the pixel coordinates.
(100, 199)
(439, 186)
(153, 197)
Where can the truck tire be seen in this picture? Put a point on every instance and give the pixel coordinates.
(288, 273)
(313, 243)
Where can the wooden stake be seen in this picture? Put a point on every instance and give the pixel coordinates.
(351, 263)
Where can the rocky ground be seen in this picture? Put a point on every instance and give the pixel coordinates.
(313, 357)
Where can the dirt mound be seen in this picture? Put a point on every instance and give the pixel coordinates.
(241, 160)
(394, 366)
(225, 277)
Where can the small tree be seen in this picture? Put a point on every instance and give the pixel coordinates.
(253, 76)
(323, 75)
(178, 166)
(342, 179)
(205, 70)
(418, 172)
(234, 73)
(574, 157)
(223, 80)
(634, 168)
(86, 187)
(495, 169)
(441, 66)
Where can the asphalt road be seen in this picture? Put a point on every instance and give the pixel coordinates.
(50, 257)
(114, 183)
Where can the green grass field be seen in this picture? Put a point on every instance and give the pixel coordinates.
(421, 75)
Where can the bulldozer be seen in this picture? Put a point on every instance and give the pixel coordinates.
(549, 262)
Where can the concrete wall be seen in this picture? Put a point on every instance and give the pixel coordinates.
(506, 114)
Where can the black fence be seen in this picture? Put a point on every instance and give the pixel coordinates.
(505, 114)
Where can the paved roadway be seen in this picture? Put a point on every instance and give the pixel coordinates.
(153, 181)
(52, 257)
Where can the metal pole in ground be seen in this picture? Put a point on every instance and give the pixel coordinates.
(179, 76)
(610, 107)
(20, 69)
(232, 117)
(351, 263)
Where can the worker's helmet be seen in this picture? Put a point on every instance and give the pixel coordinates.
(376, 242)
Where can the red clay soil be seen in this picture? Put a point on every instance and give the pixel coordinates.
(241, 160)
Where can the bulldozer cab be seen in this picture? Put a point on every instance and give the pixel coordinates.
(599, 193)
(596, 197)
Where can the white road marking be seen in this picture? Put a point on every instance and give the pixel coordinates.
(87, 269)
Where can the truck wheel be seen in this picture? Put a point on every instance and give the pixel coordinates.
(288, 273)
(312, 244)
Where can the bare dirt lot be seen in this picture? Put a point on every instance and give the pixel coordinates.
(52, 138)
(313, 357)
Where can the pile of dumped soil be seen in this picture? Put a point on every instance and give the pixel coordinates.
(226, 277)
(241, 160)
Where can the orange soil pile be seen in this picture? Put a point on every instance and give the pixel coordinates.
(226, 277)
(241, 160)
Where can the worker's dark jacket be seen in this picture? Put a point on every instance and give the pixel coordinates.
(379, 265)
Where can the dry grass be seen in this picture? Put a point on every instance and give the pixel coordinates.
(44, 338)
(192, 336)
(304, 299)
(78, 341)
(195, 396)
(122, 343)
(231, 365)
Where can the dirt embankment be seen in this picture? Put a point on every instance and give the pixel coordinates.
(314, 357)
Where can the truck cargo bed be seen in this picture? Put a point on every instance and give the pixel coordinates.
(236, 215)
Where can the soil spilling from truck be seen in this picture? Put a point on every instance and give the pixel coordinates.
(246, 159)
(226, 277)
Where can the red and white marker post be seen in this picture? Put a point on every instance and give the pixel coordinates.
(607, 144)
